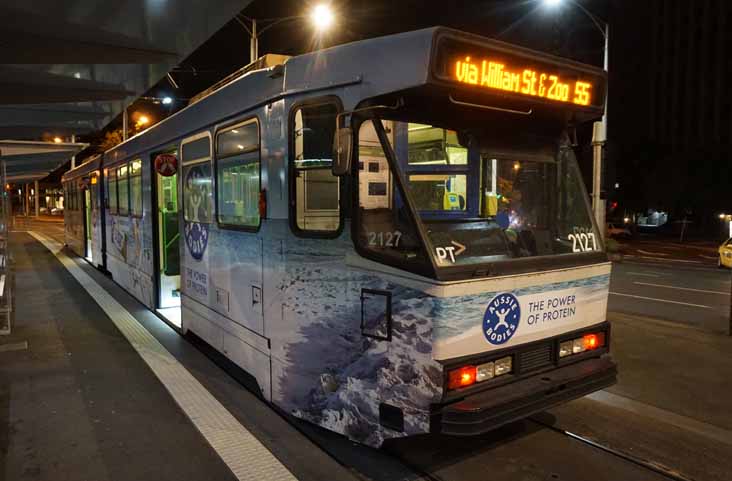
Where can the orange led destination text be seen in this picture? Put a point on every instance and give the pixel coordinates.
(495, 75)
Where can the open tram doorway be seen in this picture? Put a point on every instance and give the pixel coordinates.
(167, 233)
(88, 225)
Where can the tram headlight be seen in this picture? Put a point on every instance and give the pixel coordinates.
(485, 372)
(503, 365)
(588, 342)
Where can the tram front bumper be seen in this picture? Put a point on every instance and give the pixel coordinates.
(493, 408)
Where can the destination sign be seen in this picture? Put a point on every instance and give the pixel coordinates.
(520, 73)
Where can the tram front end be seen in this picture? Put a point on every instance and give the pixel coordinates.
(470, 184)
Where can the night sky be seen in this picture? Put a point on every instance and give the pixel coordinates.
(636, 164)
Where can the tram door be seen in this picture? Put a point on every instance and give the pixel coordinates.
(168, 234)
(88, 225)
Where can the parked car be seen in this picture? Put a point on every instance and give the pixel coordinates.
(725, 254)
(618, 230)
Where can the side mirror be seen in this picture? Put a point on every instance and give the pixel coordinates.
(342, 151)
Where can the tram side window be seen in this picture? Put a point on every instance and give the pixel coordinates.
(197, 189)
(112, 191)
(135, 175)
(316, 196)
(237, 176)
(123, 191)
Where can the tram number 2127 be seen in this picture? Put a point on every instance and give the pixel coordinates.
(384, 239)
(582, 242)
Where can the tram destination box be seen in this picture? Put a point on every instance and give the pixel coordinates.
(491, 67)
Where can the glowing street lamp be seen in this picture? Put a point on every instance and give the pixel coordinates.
(322, 17)
(57, 140)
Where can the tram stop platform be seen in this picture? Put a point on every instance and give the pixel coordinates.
(95, 387)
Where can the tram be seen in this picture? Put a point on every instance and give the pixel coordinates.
(391, 236)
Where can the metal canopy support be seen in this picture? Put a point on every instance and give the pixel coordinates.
(26, 37)
(23, 86)
(105, 51)
(36, 201)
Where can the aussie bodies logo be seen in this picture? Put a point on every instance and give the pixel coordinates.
(198, 187)
(501, 318)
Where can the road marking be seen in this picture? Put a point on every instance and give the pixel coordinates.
(14, 346)
(668, 417)
(709, 257)
(644, 274)
(247, 458)
(652, 253)
(660, 300)
(667, 260)
(681, 288)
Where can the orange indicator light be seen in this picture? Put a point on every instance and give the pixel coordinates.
(463, 377)
(593, 341)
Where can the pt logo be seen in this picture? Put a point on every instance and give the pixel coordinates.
(450, 252)
(501, 318)
(197, 186)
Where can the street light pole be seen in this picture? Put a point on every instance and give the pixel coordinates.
(599, 137)
(253, 42)
(254, 32)
(321, 17)
(598, 206)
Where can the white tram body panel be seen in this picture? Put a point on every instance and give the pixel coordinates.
(293, 309)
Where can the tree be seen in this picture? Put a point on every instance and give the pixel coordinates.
(111, 139)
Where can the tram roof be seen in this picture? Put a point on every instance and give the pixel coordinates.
(374, 67)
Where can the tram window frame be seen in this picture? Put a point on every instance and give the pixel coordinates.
(193, 162)
(135, 202)
(292, 171)
(425, 266)
(93, 190)
(246, 152)
(126, 211)
(113, 206)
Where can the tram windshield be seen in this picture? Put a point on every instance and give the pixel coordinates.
(479, 197)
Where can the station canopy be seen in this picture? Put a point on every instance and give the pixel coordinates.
(70, 67)
(27, 161)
